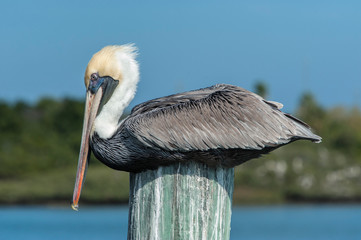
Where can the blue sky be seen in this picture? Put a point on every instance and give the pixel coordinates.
(294, 47)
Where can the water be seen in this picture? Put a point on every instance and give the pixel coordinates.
(266, 222)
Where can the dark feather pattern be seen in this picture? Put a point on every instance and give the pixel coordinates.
(222, 125)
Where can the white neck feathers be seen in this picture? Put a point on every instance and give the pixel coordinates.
(107, 122)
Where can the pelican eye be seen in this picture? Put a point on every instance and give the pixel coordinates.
(95, 82)
(94, 77)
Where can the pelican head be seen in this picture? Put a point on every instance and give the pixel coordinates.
(110, 79)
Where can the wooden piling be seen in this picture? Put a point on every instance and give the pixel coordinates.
(181, 201)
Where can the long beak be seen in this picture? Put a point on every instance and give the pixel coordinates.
(91, 108)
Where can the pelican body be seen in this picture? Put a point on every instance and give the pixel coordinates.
(221, 125)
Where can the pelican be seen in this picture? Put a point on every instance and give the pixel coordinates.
(221, 125)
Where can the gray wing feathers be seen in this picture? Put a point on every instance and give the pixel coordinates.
(222, 116)
(274, 104)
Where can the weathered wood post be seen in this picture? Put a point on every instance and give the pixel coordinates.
(181, 201)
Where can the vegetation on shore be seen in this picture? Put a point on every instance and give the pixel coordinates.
(39, 147)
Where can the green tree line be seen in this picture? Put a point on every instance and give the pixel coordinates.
(39, 146)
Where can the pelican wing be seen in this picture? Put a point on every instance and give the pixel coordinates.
(218, 117)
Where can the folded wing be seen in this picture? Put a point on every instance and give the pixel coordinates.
(218, 117)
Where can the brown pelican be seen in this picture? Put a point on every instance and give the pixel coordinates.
(221, 125)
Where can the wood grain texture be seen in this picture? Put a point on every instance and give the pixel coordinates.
(181, 201)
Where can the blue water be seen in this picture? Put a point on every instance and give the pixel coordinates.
(266, 222)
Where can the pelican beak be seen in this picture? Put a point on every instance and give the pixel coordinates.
(91, 108)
